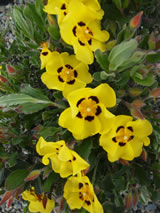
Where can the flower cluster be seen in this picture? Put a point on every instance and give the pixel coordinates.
(87, 114)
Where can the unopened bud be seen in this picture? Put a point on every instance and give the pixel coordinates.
(10, 70)
(144, 155)
(136, 21)
(155, 93)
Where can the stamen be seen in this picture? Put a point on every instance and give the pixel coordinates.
(68, 72)
(88, 109)
(125, 137)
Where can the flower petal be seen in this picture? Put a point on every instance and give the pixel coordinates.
(105, 94)
(83, 53)
(52, 81)
(98, 34)
(141, 128)
(78, 164)
(80, 128)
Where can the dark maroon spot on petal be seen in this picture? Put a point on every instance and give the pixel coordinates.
(81, 43)
(45, 53)
(74, 158)
(80, 185)
(74, 31)
(88, 202)
(70, 161)
(130, 128)
(65, 13)
(59, 69)
(89, 118)
(60, 79)
(63, 7)
(90, 41)
(80, 196)
(79, 115)
(68, 66)
(86, 184)
(75, 74)
(94, 98)
(57, 149)
(78, 103)
(122, 144)
(114, 139)
(93, 200)
(120, 127)
(57, 153)
(130, 138)
(61, 145)
(71, 82)
(90, 32)
(98, 110)
(81, 23)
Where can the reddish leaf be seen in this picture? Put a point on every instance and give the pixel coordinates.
(138, 104)
(136, 21)
(6, 196)
(124, 162)
(2, 79)
(44, 201)
(135, 199)
(10, 69)
(137, 113)
(128, 201)
(155, 93)
(10, 201)
(144, 155)
(33, 175)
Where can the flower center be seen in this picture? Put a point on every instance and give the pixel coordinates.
(88, 108)
(85, 193)
(83, 33)
(123, 135)
(67, 74)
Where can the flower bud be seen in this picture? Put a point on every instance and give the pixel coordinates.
(136, 21)
(128, 201)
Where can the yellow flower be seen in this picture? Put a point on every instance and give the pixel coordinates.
(125, 140)
(64, 161)
(83, 32)
(65, 73)
(61, 8)
(38, 202)
(79, 192)
(45, 56)
(87, 114)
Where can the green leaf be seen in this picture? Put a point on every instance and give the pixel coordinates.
(52, 178)
(48, 131)
(153, 58)
(102, 59)
(16, 179)
(34, 92)
(21, 22)
(54, 32)
(16, 99)
(39, 7)
(30, 108)
(84, 149)
(118, 3)
(121, 53)
(147, 81)
(2, 177)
